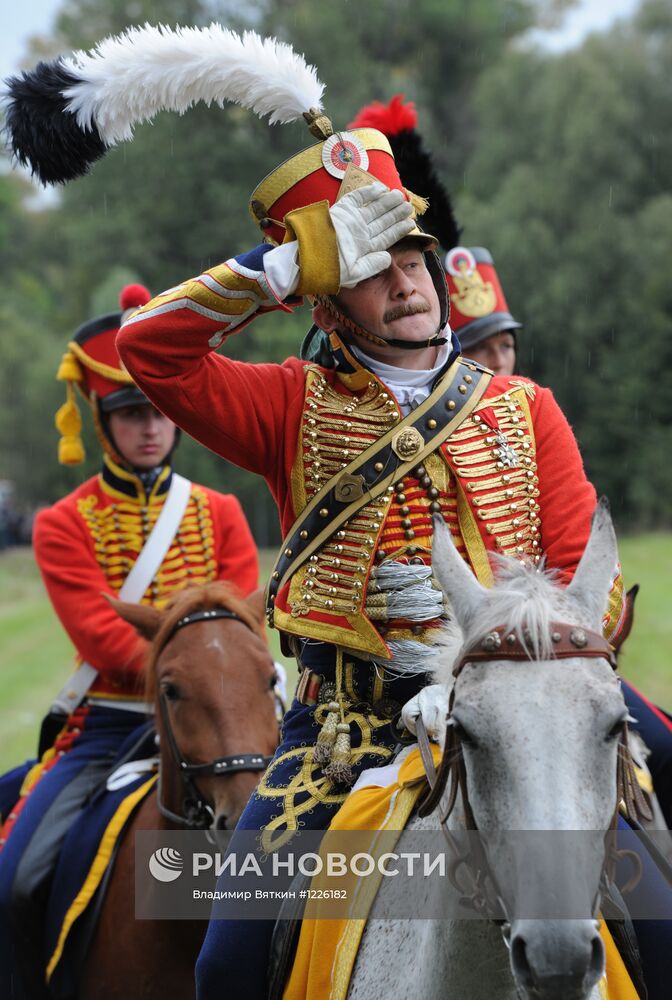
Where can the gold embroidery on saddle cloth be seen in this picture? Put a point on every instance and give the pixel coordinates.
(310, 783)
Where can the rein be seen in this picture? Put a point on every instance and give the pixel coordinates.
(568, 641)
(198, 814)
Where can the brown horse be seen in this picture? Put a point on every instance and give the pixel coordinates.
(212, 680)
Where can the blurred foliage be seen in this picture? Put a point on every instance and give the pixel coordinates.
(560, 165)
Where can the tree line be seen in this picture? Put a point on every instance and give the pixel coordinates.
(560, 164)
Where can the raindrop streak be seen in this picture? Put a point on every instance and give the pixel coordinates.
(611, 192)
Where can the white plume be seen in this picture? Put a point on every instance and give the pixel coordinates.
(128, 78)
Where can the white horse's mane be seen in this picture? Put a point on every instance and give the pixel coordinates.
(525, 599)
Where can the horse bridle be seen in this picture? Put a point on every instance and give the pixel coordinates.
(198, 814)
(500, 643)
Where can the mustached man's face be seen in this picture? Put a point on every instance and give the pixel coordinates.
(399, 303)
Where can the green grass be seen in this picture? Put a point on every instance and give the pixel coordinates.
(36, 656)
(647, 655)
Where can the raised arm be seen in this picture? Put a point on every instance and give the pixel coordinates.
(236, 409)
(168, 346)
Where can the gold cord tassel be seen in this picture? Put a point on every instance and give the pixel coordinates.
(339, 770)
(69, 369)
(69, 424)
(419, 203)
(327, 735)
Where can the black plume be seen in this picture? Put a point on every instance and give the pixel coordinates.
(418, 174)
(42, 134)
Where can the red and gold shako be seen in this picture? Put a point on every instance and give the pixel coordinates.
(341, 162)
(92, 364)
(478, 308)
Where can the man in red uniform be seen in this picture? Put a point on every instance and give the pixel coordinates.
(359, 451)
(86, 546)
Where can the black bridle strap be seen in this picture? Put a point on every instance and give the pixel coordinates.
(204, 616)
(227, 765)
(201, 813)
(218, 766)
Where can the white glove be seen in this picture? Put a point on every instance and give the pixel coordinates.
(280, 681)
(368, 222)
(432, 704)
(281, 266)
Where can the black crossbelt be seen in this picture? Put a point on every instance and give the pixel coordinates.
(370, 474)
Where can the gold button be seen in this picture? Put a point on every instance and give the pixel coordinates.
(324, 512)
(431, 423)
(450, 405)
(468, 378)
(379, 466)
(462, 389)
(276, 575)
(288, 552)
(303, 534)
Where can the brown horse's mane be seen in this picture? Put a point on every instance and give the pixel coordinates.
(201, 598)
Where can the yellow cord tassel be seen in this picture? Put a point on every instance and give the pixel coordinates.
(419, 203)
(327, 735)
(339, 769)
(69, 369)
(69, 423)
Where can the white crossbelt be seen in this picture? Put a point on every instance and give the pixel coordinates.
(136, 583)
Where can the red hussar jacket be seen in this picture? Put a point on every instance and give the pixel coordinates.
(510, 479)
(86, 544)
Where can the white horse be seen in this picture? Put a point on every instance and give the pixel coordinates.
(540, 743)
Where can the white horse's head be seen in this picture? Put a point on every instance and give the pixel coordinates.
(540, 743)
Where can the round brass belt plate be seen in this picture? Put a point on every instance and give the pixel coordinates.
(407, 443)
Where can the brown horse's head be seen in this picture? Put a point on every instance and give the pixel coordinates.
(216, 680)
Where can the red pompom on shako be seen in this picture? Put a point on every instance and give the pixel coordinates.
(134, 296)
(390, 119)
(398, 121)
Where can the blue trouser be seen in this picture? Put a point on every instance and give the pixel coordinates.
(28, 858)
(10, 788)
(655, 727)
(652, 894)
(234, 957)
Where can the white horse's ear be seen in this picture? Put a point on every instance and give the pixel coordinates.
(457, 581)
(597, 568)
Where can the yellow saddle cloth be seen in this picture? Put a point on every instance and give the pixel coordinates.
(328, 948)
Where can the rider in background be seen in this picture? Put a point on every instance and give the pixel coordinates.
(85, 546)
(490, 339)
(479, 314)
